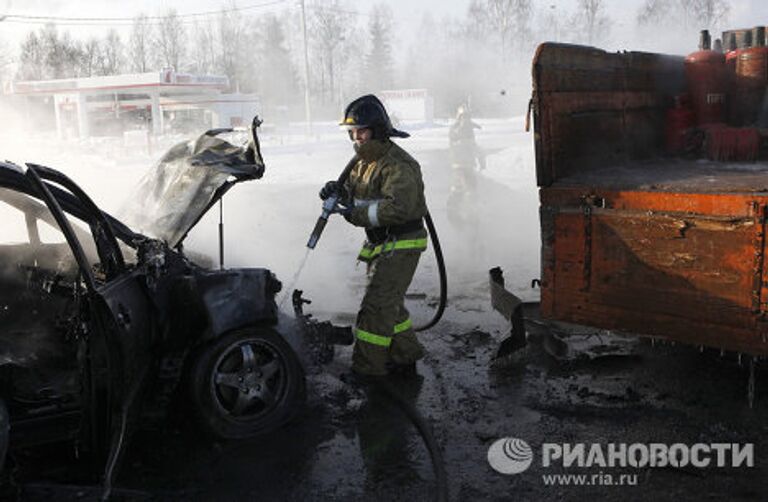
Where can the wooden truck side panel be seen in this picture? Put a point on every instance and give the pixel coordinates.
(671, 249)
(594, 108)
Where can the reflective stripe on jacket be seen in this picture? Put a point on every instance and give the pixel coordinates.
(370, 251)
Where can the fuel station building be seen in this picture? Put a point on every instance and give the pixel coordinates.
(157, 102)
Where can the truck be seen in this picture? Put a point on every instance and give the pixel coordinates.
(640, 231)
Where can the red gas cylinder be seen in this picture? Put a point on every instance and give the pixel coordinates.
(730, 60)
(731, 55)
(678, 122)
(732, 52)
(731, 144)
(707, 80)
(751, 79)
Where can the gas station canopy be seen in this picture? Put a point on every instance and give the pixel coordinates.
(154, 91)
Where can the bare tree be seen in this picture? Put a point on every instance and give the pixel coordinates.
(111, 54)
(478, 23)
(277, 80)
(590, 22)
(140, 52)
(170, 40)
(232, 37)
(61, 53)
(510, 20)
(90, 51)
(330, 27)
(711, 13)
(549, 24)
(31, 58)
(653, 12)
(697, 14)
(423, 52)
(203, 48)
(379, 65)
(6, 57)
(348, 62)
(54, 57)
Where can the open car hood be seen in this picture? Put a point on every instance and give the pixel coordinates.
(190, 178)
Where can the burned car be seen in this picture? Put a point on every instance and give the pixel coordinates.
(98, 320)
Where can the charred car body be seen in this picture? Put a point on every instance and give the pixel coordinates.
(94, 314)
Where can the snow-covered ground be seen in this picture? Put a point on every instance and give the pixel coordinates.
(107, 168)
(267, 222)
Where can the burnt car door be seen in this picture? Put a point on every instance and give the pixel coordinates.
(118, 319)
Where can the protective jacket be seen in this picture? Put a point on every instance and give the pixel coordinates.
(388, 194)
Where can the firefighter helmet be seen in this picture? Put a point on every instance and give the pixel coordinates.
(368, 112)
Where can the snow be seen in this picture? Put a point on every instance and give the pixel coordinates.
(104, 164)
(268, 221)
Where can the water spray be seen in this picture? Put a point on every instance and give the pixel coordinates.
(330, 206)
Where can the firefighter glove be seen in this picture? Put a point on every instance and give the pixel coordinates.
(333, 188)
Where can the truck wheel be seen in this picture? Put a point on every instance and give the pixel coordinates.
(246, 383)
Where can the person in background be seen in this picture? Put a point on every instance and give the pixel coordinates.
(466, 157)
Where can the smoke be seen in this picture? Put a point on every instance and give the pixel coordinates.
(268, 222)
(458, 59)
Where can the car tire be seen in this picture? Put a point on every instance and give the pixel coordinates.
(247, 383)
(5, 426)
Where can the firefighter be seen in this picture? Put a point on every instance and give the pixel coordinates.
(465, 155)
(385, 196)
(465, 158)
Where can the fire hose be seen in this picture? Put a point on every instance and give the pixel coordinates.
(331, 205)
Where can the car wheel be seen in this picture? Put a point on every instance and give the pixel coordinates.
(5, 421)
(247, 383)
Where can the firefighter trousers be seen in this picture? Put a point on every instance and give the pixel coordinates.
(384, 331)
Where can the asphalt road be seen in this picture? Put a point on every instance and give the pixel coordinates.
(350, 445)
(610, 388)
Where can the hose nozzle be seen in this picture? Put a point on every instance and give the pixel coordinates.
(329, 205)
